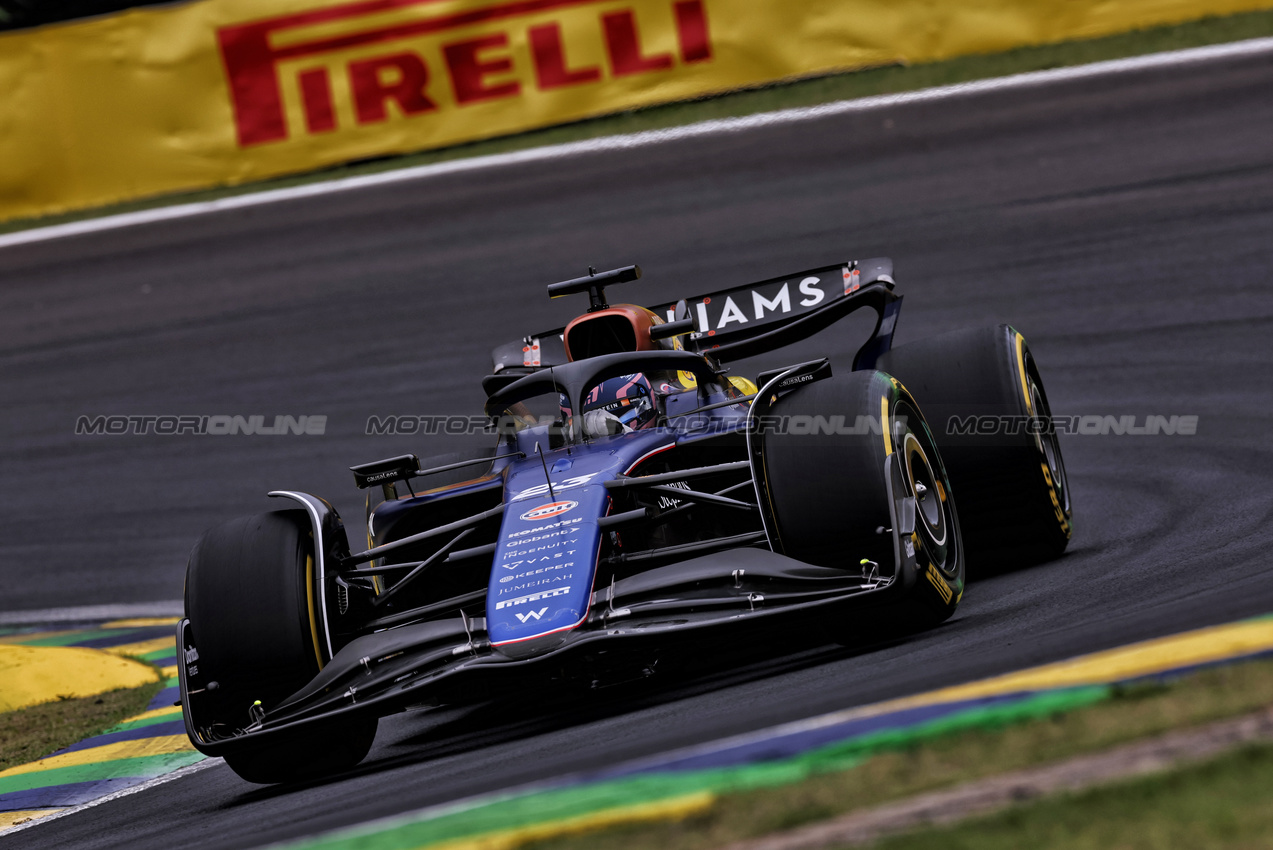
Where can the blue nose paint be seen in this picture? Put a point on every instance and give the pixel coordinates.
(545, 560)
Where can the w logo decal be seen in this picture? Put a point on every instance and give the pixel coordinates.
(531, 615)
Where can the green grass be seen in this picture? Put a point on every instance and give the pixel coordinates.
(1223, 803)
(781, 96)
(1133, 713)
(32, 733)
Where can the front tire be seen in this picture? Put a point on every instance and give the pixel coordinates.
(830, 504)
(250, 599)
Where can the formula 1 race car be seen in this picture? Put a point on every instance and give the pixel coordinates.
(638, 501)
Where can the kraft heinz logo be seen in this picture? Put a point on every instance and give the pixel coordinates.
(392, 68)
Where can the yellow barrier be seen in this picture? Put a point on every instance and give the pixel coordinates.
(219, 92)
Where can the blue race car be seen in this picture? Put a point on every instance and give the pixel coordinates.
(638, 501)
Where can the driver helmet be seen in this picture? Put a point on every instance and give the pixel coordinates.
(619, 406)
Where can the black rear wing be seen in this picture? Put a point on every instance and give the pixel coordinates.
(759, 317)
(753, 319)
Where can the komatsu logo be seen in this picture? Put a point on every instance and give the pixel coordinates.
(536, 530)
(534, 597)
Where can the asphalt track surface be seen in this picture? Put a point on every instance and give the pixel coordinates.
(1124, 224)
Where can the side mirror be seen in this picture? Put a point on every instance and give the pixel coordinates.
(682, 323)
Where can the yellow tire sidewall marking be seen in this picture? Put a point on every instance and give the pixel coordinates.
(309, 600)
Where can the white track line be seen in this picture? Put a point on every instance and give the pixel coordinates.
(1212, 53)
(92, 613)
(123, 792)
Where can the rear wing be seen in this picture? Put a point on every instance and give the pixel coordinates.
(753, 319)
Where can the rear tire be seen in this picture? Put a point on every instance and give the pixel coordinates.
(1012, 489)
(251, 604)
(830, 504)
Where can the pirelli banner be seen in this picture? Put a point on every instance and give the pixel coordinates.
(217, 92)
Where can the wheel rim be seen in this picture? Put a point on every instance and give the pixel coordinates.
(928, 487)
(1045, 438)
(925, 487)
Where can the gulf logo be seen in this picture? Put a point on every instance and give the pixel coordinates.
(549, 510)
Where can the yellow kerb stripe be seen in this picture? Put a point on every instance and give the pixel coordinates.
(142, 647)
(23, 637)
(161, 746)
(1209, 645)
(140, 622)
(8, 819)
(1140, 659)
(673, 809)
(167, 711)
(30, 675)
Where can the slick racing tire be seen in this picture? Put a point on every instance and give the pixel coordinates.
(990, 416)
(249, 599)
(830, 505)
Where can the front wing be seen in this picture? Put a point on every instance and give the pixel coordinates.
(735, 593)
